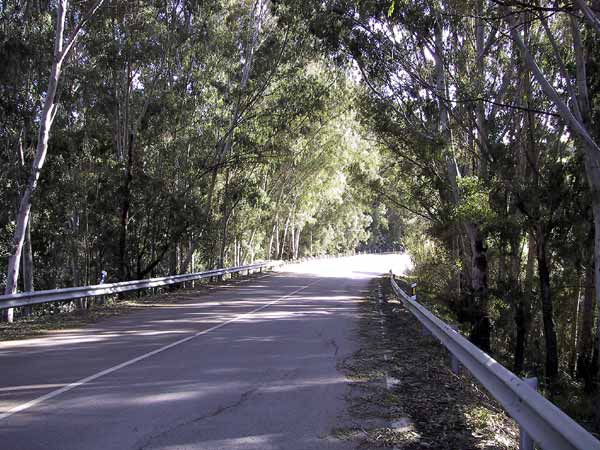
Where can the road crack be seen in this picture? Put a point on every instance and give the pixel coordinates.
(216, 412)
(331, 341)
(220, 410)
(335, 346)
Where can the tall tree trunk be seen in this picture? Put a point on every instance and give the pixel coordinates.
(74, 232)
(248, 249)
(530, 266)
(227, 214)
(188, 261)
(256, 21)
(575, 330)
(521, 337)
(128, 131)
(28, 267)
(284, 239)
(593, 173)
(235, 251)
(477, 312)
(46, 119)
(275, 231)
(586, 54)
(74, 256)
(297, 245)
(271, 239)
(124, 269)
(528, 291)
(547, 306)
(481, 329)
(28, 261)
(527, 154)
(224, 239)
(522, 305)
(173, 260)
(277, 256)
(585, 339)
(192, 260)
(62, 49)
(293, 237)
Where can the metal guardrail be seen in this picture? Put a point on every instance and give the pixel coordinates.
(74, 293)
(547, 425)
(55, 295)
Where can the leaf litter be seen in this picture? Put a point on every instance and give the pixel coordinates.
(427, 406)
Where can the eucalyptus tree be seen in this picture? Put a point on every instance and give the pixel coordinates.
(64, 43)
(409, 62)
(570, 80)
(483, 153)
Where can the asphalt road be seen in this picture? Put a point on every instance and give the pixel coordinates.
(252, 366)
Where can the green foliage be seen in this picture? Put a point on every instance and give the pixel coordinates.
(488, 186)
(214, 131)
(391, 8)
(474, 205)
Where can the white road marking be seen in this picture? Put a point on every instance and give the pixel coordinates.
(85, 380)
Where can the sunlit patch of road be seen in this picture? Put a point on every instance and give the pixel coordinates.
(353, 267)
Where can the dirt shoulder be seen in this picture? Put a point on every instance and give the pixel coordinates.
(404, 394)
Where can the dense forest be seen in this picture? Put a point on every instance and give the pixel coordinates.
(147, 138)
(185, 135)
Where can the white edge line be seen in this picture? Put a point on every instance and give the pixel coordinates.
(85, 380)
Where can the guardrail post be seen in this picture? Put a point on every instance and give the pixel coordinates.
(454, 362)
(525, 441)
(103, 275)
(413, 289)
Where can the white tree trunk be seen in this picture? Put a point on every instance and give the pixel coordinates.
(297, 244)
(28, 261)
(285, 234)
(565, 112)
(61, 51)
(46, 119)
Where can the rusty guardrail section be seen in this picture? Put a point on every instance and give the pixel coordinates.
(546, 424)
(56, 295)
